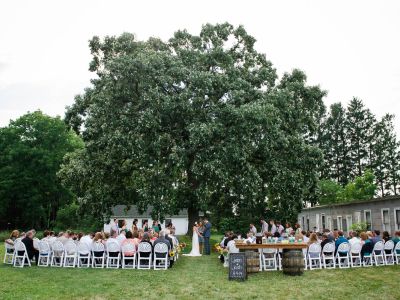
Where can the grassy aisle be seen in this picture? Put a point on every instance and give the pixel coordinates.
(195, 278)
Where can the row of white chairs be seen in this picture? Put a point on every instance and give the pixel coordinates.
(80, 255)
(346, 256)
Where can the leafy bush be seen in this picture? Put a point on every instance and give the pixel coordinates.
(359, 227)
(68, 217)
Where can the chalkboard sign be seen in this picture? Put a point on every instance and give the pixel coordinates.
(237, 266)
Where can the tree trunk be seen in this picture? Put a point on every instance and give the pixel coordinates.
(193, 215)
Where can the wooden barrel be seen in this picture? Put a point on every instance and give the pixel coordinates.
(252, 262)
(292, 262)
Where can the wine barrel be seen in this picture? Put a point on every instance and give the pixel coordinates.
(252, 262)
(292, 262)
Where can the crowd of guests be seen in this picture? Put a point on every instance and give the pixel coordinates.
(277, 232)
(122, 236)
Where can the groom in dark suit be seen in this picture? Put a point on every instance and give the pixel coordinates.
(206, 235)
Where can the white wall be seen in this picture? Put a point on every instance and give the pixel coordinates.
(179, 223)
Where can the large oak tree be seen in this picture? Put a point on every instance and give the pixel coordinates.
(195, 122)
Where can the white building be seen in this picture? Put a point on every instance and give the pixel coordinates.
(120, 212)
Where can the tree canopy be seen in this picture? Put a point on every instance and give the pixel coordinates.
(32, 149)
(198, 122)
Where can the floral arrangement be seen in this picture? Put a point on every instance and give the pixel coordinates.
(220, 250)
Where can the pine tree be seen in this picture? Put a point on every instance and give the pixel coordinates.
(360, 124)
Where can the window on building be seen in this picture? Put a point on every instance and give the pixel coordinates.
(367, 219)
(385, 219)
(335, 224)
(357, 217)
(349, 222)
(397, 218)
(317, 222)
(308, 223)
(339, 223)
(329, 221)
(323, 221)
(303, 224)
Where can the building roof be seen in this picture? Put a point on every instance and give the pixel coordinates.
(121, 211)
(387, 198)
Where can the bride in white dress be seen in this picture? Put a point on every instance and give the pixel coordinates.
(195, 242)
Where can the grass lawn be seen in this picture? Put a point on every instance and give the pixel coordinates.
(195, 278)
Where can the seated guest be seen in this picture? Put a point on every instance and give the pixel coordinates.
(171, 234)
(64, 238)
(313, 239)
(140, 233)
(88, 240)
(146, 239)
(99, 239)
(113, 238)
(367, 245)
(251, 239)
(231, 246)
(130, 240)
(325, 240)
(396, 239)
(228, 239)
(13, 236)
(305, 237)
(154, 237)
(341, 239)
(162, 239)
(30, 249)
(121, 237)
(377, 237)
(385, 236)
(354, 238)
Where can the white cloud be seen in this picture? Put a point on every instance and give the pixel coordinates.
(350, 48)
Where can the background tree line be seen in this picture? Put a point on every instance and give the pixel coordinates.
(358, 147)
(198, 122)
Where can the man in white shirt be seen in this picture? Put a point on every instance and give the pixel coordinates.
(264, 226)
(273, 227)
(88, 240)
(354, 239)
(253, 229)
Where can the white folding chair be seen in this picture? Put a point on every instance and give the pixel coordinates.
(57, 254)
(21, 258)
(355, 255)
(8, 254)
(328, 256)
(113, 255)
(377, 254)
(314, 256)
(342, 255)
(98, 255)
(144, 248)
(397, 253)
(83, 255)
(269, 259)
(160, 256)
(44, 254)
(128, 248)
(388, 252)
(70, 254)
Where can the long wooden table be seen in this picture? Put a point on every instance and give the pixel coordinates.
(292, 261)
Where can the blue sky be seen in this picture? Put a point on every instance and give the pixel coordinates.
(349, 48)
